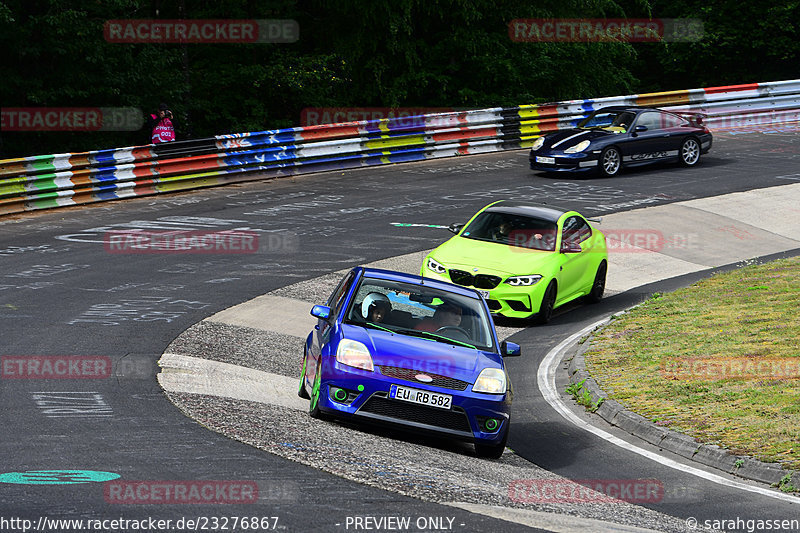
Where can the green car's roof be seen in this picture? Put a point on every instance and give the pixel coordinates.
(542, 212)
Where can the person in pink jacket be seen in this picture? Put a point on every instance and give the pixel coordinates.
(161, 126)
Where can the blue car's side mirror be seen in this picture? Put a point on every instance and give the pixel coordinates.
(640, 129)
(321, 311)
(510, 349)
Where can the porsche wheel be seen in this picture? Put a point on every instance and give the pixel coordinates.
(690, 152)
(610, 161)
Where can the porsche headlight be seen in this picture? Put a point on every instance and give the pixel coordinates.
(523, 281)
(491, 381)
(538, 143)
(580, 147)
(355, 354)
(435, 266)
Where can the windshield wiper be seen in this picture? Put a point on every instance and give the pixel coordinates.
(433, 336)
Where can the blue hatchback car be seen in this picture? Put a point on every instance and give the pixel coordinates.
(411, 352)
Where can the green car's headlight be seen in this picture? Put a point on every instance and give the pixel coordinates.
(523, 281)
(491, 381)
(580, 147)
(355, 354)
(435, 266)
(538, 143)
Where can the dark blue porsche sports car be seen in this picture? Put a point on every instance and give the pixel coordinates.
(410, 352)
(622, 136)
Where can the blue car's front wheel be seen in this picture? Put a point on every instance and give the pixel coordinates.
(313, 405)
(492, 451)
(610, 161)
(301, 391)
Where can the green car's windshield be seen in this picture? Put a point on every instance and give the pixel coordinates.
(513, 230)
(420, 311)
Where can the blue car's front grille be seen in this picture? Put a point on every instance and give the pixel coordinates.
(479, 281)
(454, 419)
(407, 374)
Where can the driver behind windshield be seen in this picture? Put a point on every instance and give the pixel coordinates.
(447, 314)
(378, 311)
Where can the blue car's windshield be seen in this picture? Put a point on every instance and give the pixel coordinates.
(609, 120)
(513, 230)
(420, 311)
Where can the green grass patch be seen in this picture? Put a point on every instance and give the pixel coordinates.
(719, 360)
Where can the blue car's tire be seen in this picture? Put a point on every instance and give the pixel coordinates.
(313, 404)
(301, 391)
(689, 155)
(610, 161)
(492, 451)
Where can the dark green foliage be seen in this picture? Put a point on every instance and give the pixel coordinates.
(375, 53)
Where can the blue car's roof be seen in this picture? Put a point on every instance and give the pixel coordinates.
(631, 108)
(378, 273)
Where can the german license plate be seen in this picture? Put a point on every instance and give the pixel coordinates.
(546, 160)
(485, 294)
(422, 397)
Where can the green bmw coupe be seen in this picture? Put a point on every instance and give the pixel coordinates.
(526, 260)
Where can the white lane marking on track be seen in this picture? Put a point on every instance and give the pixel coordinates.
(547, 385)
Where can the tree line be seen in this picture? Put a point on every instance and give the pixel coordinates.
(349, 53)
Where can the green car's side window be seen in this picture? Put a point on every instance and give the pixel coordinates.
(576, 230)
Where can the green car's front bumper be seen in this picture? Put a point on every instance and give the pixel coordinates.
(505, 300)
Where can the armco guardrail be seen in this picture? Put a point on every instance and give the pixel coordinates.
(47, 181)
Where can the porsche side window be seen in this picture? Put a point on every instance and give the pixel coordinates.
(672, 121)
(650, 119)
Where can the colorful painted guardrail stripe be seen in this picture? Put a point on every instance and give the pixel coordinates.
(46, 181)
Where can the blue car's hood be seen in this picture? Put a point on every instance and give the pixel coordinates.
(423, 355)
(572, 137)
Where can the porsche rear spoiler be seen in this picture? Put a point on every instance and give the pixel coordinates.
(696, 119)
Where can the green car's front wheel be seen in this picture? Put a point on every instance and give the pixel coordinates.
(548, 303)
(599, 284)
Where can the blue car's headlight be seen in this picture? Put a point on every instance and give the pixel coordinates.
(491, 381)
(580, 147)
(523, 281)
(538, 143)
(355, 354)
(435, 266)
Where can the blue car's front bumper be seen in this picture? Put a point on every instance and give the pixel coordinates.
(366, 397)
(553, 161)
